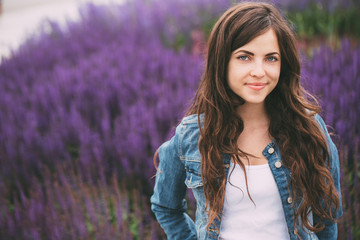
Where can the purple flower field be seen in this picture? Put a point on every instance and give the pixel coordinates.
(83, 109)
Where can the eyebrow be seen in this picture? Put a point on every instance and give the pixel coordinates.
(252, 54)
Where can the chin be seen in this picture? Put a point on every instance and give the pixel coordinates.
(255, 101)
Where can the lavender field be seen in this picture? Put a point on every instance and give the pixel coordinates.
(83, 108)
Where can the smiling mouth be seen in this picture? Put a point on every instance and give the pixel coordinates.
(256, 86)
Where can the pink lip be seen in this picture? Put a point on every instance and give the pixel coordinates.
(256, 85)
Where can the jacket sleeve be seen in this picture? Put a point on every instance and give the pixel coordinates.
(167, 202)
(330, 231)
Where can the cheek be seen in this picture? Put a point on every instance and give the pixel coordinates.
(274, 73)
(237, 72)
(231, 76)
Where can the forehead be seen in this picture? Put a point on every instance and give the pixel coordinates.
(265, 42)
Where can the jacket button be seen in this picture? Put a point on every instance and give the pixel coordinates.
(214, 230)
(227, 165)
(271, 150)
(289, 200)
(278, 164)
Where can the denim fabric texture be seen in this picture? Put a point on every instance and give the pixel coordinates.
(179, 169)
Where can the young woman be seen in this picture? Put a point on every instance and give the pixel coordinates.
(252, 147)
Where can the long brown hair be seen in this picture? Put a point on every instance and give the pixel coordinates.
(290, 108)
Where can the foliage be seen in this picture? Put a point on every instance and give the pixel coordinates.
(319, 21)
(88, 104)
(335, 79)
(66, 207)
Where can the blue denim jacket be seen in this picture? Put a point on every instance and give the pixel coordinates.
(180, 169)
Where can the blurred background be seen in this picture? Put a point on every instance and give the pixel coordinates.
(89, 89)
(19, 18)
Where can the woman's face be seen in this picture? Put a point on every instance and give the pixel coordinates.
(254, 69)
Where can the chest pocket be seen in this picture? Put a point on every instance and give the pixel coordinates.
(193, 174)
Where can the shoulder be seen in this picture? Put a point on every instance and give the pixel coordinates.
(188, 134)
(190, 124)
(187, 131)
(321, 122)
(334, 156)
(323, 127)
(192, 119)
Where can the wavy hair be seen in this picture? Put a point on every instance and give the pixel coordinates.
(290, 108)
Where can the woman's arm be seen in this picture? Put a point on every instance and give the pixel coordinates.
(168, 201)
(330, 230)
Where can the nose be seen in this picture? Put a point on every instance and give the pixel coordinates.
(257, 70)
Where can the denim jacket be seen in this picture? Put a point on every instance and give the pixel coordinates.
(180, 169)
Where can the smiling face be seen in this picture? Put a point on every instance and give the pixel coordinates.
(254, 69)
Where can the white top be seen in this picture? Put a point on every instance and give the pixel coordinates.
(242, 219)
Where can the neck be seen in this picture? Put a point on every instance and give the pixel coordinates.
(253, 115)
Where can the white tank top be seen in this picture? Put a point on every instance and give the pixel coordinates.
(242, 219)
